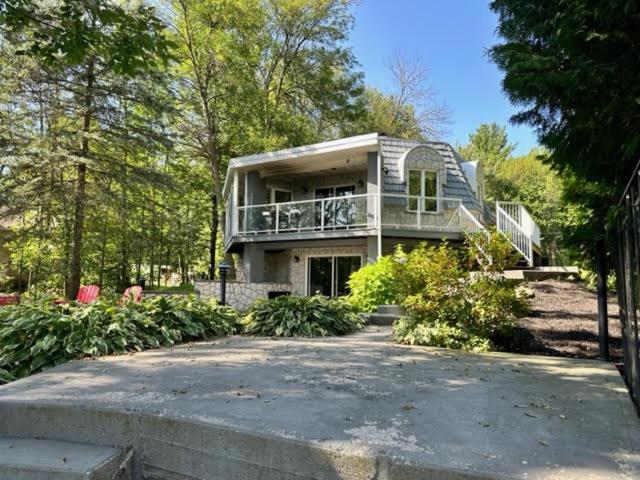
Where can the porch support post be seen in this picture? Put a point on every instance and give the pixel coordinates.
(372, 248)
(255, 189)
(254, 262)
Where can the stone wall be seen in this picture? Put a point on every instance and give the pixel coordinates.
(240, 295)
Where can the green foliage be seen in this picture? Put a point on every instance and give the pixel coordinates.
(490, 146)
(291, 316)
(373, 284)
(37, 334)
(69, 31)
(572, 68)
(446, 306)
(412, 331)
(492, 253)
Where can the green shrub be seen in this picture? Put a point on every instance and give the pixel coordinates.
(373, 285)
(35, 335)
(413, 331)
(446, 306)
(291, 316)
(491, 253)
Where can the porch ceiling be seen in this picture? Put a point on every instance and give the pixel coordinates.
(309, 165)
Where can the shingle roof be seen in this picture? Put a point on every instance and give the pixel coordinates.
(456, 185)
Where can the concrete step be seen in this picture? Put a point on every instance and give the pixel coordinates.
(36, 459)
(382, 318)
(390, 309)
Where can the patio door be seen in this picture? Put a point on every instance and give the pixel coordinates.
(337, 212)
(328, 276)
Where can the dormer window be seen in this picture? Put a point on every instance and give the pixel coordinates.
(423, 184)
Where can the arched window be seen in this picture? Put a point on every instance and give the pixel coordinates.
(423, 171)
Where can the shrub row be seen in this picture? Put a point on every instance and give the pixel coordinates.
(35, 335)
(38, 334)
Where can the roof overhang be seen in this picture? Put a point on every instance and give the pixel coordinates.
(318, 156)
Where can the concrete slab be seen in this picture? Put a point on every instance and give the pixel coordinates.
(356, 407)
(35, 459)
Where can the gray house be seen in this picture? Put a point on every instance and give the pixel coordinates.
(301, 220)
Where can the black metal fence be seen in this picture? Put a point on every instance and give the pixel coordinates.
(628, 282)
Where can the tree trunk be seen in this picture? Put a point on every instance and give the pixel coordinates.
(75, 273)
(603, 320)
(213, 237)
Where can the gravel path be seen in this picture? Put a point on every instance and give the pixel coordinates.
(563, 322)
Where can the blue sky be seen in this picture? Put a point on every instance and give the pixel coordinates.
(451, 37)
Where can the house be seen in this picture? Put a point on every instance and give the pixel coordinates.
(301, 220)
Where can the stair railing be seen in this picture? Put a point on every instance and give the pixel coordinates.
(471, 225)
(513, 220)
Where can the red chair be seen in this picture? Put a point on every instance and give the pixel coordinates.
(9, 300)
(132, 294)
(87, 294)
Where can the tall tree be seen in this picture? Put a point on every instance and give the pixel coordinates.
(260, 75)
(490, 146)
(87, 50)
(410, 110)
(572, 66)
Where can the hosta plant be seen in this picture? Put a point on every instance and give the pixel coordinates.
(35, 335)
(292, 316)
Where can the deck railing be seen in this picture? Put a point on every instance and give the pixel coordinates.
(398, 211)
(351, 213)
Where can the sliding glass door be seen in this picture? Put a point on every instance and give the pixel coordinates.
(328, 276)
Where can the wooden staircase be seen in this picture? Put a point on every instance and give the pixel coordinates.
(515, 223)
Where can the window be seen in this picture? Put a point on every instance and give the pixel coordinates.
(329, 276)
(423, 184)
(337, 213)
(280, 196)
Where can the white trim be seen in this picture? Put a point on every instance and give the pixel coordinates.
(402, 161)
(422, 193)
(378, 212)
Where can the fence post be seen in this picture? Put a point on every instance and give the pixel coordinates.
(601, 280)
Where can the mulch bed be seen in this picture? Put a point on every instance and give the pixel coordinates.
(563, 322)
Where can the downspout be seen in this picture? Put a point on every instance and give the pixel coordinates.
(379, 200)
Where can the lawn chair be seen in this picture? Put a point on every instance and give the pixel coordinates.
(9, 300)
(132, 294)
(87, 294)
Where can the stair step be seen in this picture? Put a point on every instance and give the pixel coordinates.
(392, 309)
(36, 459)
(382, 318)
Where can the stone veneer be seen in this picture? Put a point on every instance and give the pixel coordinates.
(240, 295)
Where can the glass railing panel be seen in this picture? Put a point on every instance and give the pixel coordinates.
(422, 213)
(333, 213)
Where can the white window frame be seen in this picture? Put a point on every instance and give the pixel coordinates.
(423, 171)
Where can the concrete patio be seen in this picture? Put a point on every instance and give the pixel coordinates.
(356, 407)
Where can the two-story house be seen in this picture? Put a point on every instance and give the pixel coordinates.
(301, 220)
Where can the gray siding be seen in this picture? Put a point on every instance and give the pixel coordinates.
(456, 184)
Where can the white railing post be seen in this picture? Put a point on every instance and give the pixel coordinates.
(277, 218)
(322, 215)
